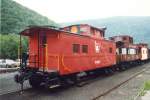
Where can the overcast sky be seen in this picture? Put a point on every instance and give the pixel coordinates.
(73, 10)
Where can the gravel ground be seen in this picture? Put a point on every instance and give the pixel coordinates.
(146, 96)
(7, 83)
(5, 70)
(130, 90)
(87, 92)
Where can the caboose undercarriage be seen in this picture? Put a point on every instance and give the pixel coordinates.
(54, 79)
(37, 78)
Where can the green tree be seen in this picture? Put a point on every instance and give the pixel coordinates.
(9, 46)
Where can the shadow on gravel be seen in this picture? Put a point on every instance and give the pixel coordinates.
(31, 93)
(39, 93)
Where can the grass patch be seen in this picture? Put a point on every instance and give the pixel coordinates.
(145, 88)
(147, 85)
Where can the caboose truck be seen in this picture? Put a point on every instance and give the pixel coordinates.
(57, 56)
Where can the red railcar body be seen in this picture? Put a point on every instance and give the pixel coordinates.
(83, 48)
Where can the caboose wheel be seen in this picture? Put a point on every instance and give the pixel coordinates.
(35, 81)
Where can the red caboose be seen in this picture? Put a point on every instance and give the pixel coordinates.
(67, 51)
(127, 52)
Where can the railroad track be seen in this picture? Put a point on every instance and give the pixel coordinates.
(88, 81)
(119, 85)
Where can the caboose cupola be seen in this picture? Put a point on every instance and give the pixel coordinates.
(85, 29)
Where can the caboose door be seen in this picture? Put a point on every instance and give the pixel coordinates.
(41, 52)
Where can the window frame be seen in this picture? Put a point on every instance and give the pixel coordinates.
(76, 48)
(110, 50)
(85, 49)
(124, 38)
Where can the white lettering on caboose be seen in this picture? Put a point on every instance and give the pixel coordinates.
(97, 62)
(97, 47)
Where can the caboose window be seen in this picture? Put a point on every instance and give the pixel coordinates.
(124, 50)
(76, 48)
(85, 48)
(110, 50)
(124, 38)
(42, 38)
(120, 51)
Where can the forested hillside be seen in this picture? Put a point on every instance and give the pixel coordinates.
(15, 17)
(138, 27)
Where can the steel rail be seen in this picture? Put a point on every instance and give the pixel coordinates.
(118, 85)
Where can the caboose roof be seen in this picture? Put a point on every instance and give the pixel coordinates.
(142, 44)
(98, 28)
(31, 29)
(122, 36)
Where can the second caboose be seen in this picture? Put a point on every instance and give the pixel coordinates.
(127, 53)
